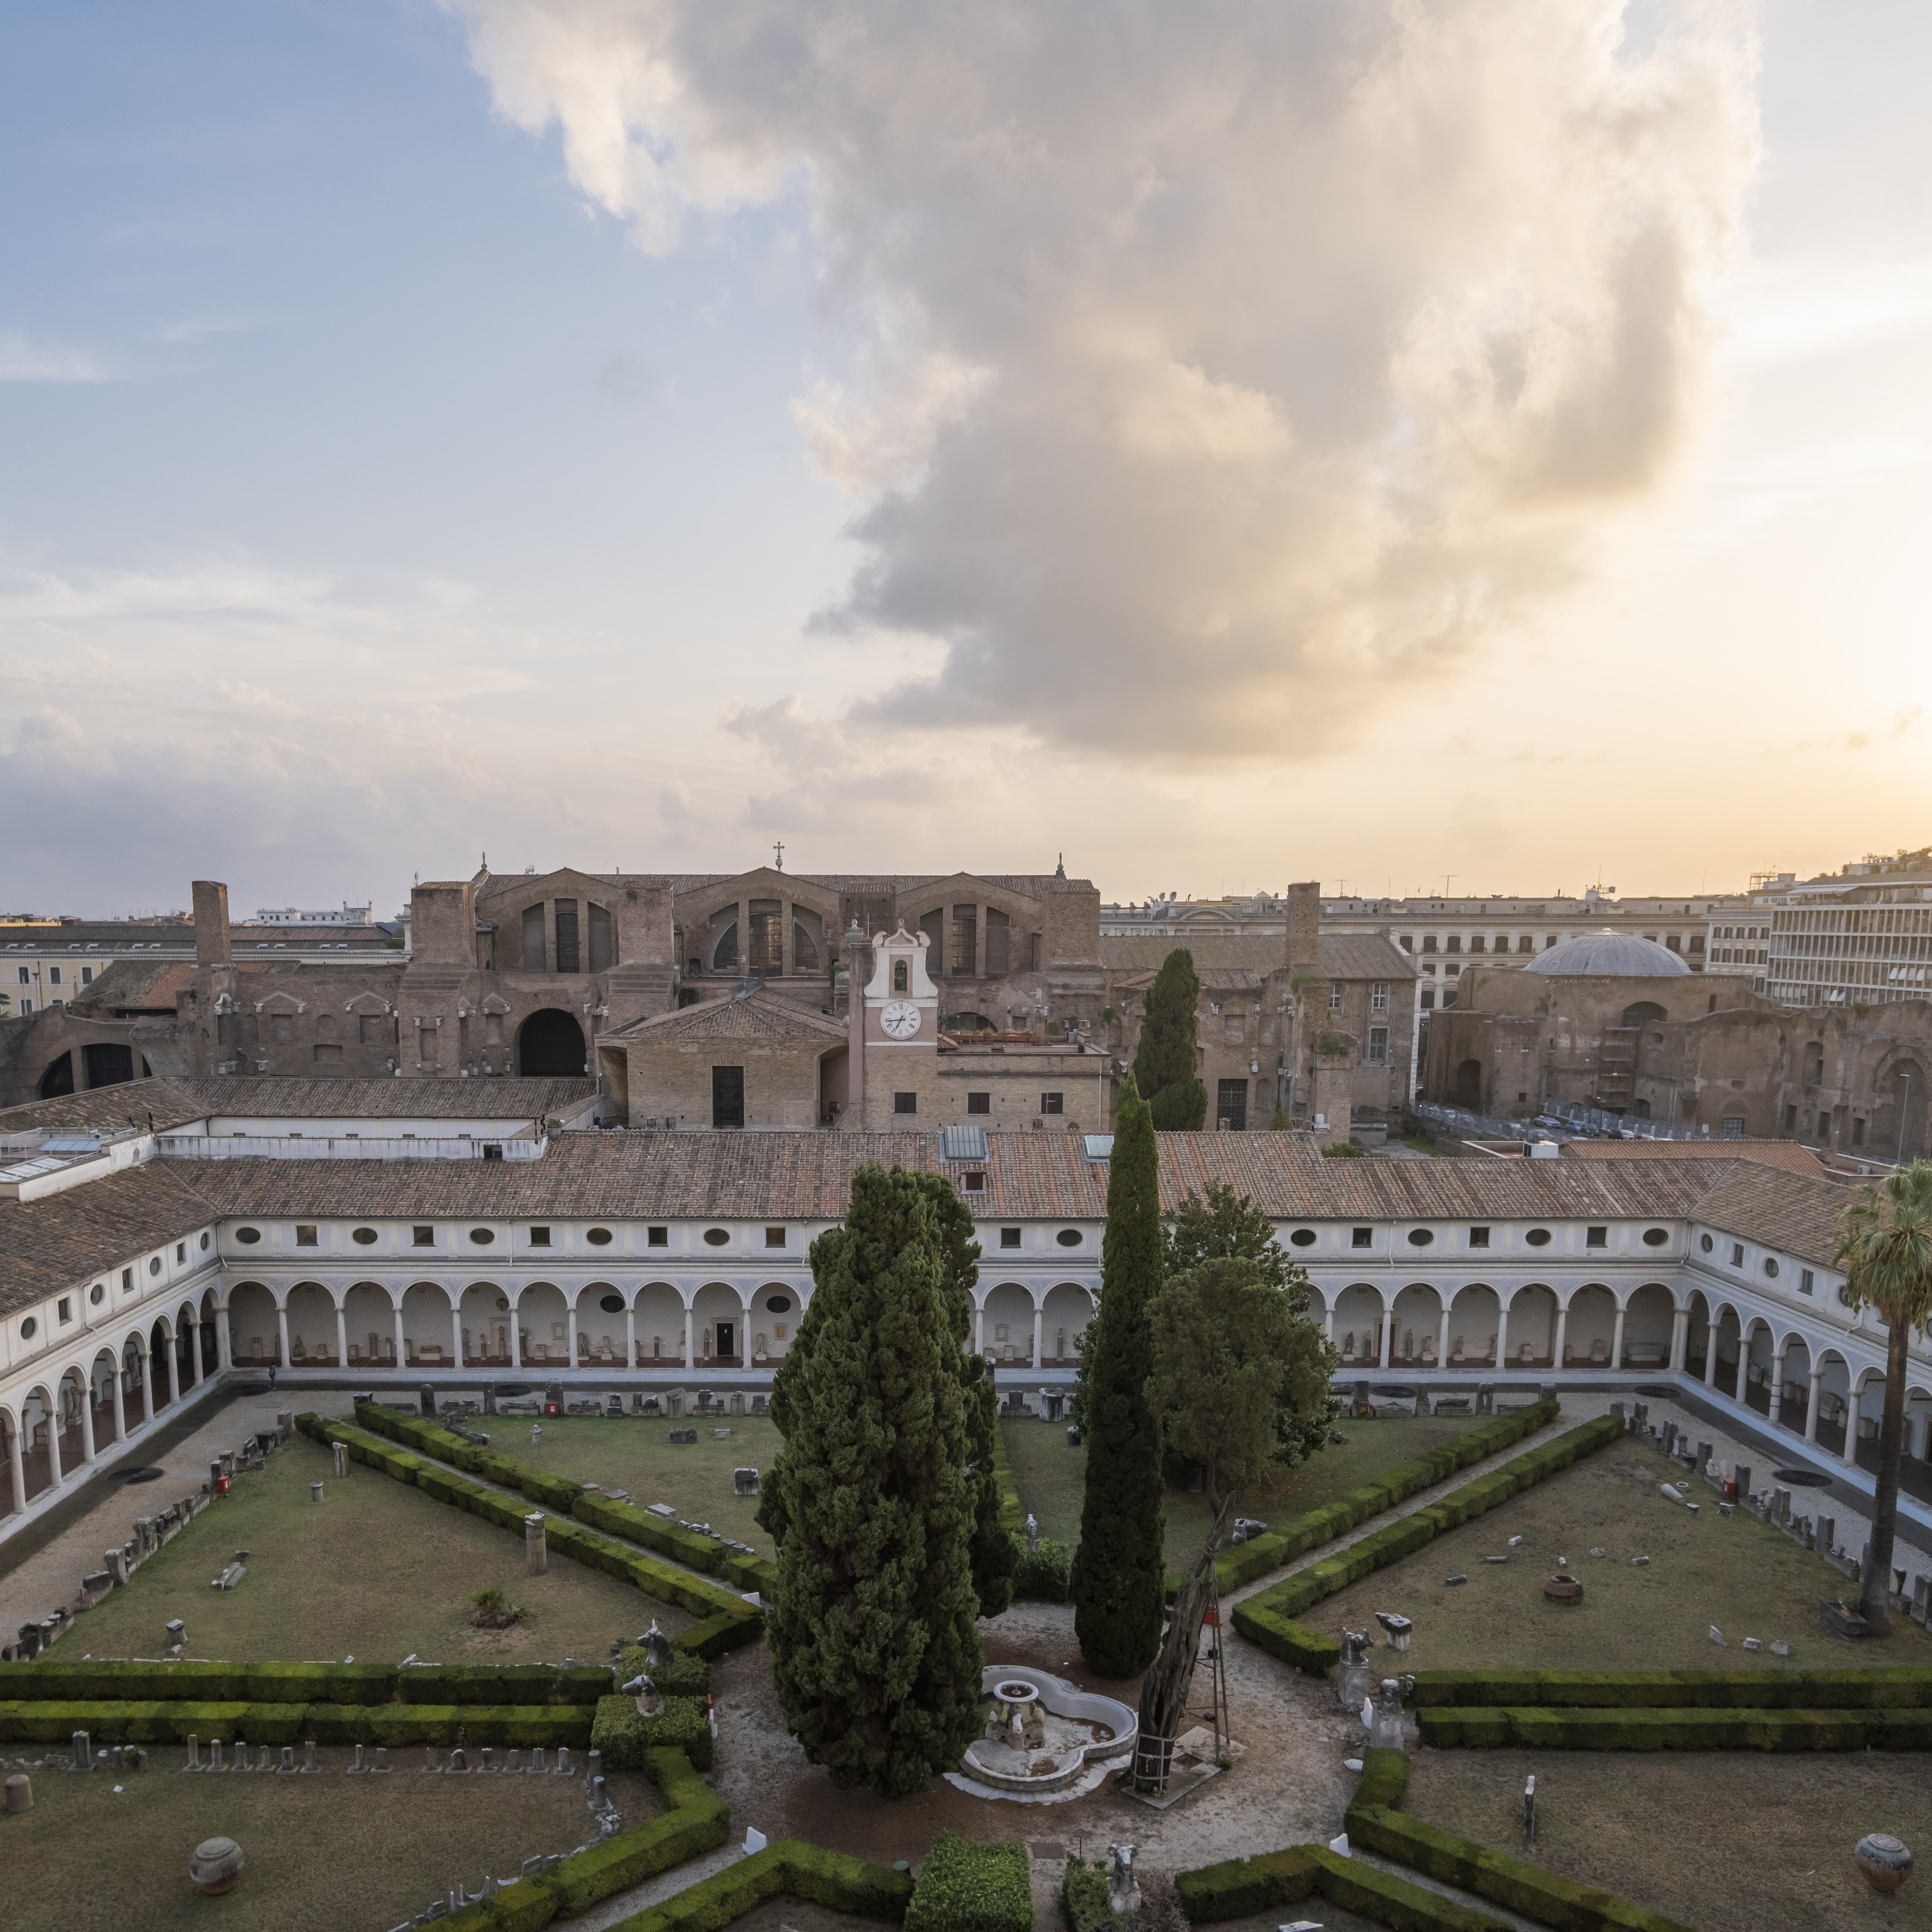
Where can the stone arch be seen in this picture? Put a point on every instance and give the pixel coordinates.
(1697, 1334)
(1650, 1320)
(601, 1330)
(661, 1313)
(58, 1078)
(70, 1402)
(36, 1444)
(161, 1353)
(1006, 1324)
(187, 1342)
(254, 1335)
(207, 1316)
(310, 1310)
(1475, 1312)
(1417, 1317)
(549, 1041)
(369, 1324)
(1643, 1012)
(10, 1436)
(1897, 1132)
(103, 1374)
(718, 1338)
(543, 1326)
(773, 1321)
(1533, 1313)
(431, 1337)
(1918, 1421)
(1064, 1316)
(136, 1390)
(1759, 1343)
(1728, 1352)
(487, 1322)
(1467, 1092)
(1360, 1313)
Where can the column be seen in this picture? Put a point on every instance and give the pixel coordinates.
(194, 1351)
(341, 1337)
(120, 1407)
(516, 1336)
(786, 962)
(980, 1327)
(1777, 1386)
(1441, 1341)
(1562, 1341)
(570, 1328)
(87, 1422)
(282, 1329)
(402, 1350)
(744, 937)
(1811, 1404)
(1849, 1455)
(1328, 1326)
(687, 1335)
(979, 944)
(1388, 1335)
(456, 1331)
(174, 1371)
(224, 1341)
(1710, 1353)
(630, 1335)
(1680, 1335)
(1039, 1333)
(1617, 1341)
(1502, 1331)
(16, 1474)
(53, 1444)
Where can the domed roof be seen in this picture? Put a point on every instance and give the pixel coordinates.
(1624, 955)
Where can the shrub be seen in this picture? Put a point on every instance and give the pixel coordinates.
(1041, 1576)
(696, 1820)
(624, 1735)
(492, 1610)
(685, 1675)
(1828, 1690)
(1083, 1899)
(963, 1887)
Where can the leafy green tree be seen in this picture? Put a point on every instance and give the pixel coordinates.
(1886, 1249)
(993, 1555)
(1225, 1338)
(1119, 1568)
(1228, 1226)
(1164, 1060)
(871, 1624)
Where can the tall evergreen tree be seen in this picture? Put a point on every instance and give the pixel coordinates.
(1165, 1061)
(959, 1270)
(871, 1624)
(1119, 1569)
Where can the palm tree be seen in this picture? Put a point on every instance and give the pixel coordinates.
(1886, 1253)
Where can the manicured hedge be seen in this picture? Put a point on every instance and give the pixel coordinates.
(727, 1621)
(623, 1735)
(1241, 1888)
(788, 1867)
(1702, 1728)
(685, 1675)
(1375, 1823)
(1245, 1561)
(963, 1887)
(1044, 1575)
(1084, 1902)
(1270, 1619)
(129, 1721)
(1771, 1688)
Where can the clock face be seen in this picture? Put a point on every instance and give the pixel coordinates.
(900, 1019)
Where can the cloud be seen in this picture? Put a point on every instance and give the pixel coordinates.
(25, 358)
(1218, 373)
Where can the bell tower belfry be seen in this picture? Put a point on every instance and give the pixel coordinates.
(899, 1022)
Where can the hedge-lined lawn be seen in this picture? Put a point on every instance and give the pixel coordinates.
(1741, 1575)
(1051, 1476)
(378, 1571)
(323, 1853)
(637, 1454)
(1729, 1842)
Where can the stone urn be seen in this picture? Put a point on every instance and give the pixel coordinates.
(215, 1866)
(1886, 1863)
(1561, 1589)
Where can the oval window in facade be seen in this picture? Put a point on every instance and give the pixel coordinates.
(1771, 1266)
(1704, 1242)
(1303, 1237)
(1655, 1237)
(1069, 1237)
(482, 1237)
(367, 1237)
(247, 1236)
(1420, 1237)
(611, 1304)
(780, 1304)
(155, 1266)
(28, 1328)
(1537, 1237)
(204, 1240)
(598, 1237)
(94, 1293)
(716, 1237)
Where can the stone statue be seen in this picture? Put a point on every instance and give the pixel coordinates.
(1385, 1727)
(1032, 1533)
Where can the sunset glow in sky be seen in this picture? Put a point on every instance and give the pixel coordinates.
(1388, 441)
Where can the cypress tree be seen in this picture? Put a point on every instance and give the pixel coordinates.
(959, 1270)
(1119, 1569)
(875, 1657)
(1165, 1061)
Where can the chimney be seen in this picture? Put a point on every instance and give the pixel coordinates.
(211, 946)
(1304, 927)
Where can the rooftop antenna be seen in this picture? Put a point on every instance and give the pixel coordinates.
(1446, 877)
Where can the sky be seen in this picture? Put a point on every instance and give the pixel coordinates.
(1413, 444)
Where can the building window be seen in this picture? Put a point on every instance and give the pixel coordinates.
(657, 1238)
(305, 1234)
(1377, 1046)
(1429, 942)
(1771, 1266)
(422, 1237)
(1379, 997)
(1455, 944)
(53, 976)
(26, 976)
(482, 1237)
(1303, 1237)
(1527, 943)
(979, 1103)
(26, 1007)
(899, 975)
(1476, 943)
(64, 1308)
(181, 1251)
(1537, 1237)
(1596, 1237)
(973, 1181)
(905, 1103)
(1009, 1237)
(1737, 1254)
(716, 1237)
(87, 975)
(1407, 942)
(1231, 1105)
(1421, 1238)
(1806, 1281)
(1479, 1237)
(127, 1279)
(598, 1237)
(1050, 1103)
(727, 1096)
(1428, 999)
(1069, 1237)
(539, 1237)
(775, 1238)
(1655, 1237)
(1361, 1237)
(1734, 1127)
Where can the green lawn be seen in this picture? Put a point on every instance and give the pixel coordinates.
(377, 1571)
(1777, 1852)
(637, 1453)
(323, 1853)
(1743, 1576)
(1051, 1476)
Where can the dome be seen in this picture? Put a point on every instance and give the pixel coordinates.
(1626, 956)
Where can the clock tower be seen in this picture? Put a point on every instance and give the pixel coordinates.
(901, 1020)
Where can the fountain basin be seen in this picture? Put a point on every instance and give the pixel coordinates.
(1083, 1730)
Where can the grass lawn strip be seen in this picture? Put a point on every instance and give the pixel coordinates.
(730, 1621)
(375, 1572)
(1738, 1574)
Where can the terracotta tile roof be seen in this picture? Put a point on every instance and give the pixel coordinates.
(261, 1095)
(1761, 1204)
(759, 1017)
(1788, 1155)
(113, 1108)
(57, 1242)
(1363, 955)
(1343, 955)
